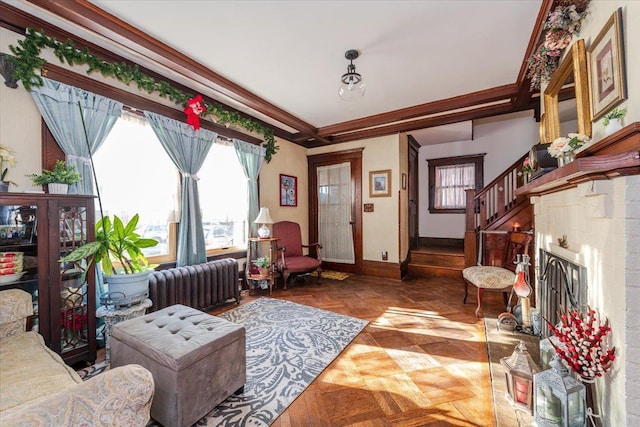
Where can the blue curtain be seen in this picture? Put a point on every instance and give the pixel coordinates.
(188, 149)
(251, 157)
(58, 104)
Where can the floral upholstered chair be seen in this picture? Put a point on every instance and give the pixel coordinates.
(496, 263)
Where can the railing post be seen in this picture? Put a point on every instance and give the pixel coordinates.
(470, 210)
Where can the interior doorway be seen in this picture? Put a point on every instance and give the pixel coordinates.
(412, 190)
(335, 214)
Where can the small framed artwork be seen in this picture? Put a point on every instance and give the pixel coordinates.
(380, 183)
(607, 86)
(404, 181)
(288, 190)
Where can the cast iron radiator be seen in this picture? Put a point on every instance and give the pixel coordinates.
(199, 286)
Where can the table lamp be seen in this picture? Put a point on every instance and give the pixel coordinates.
(264, 218)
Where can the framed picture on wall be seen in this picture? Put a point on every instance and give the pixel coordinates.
(288, 190)
(606, 67)
(380, 183)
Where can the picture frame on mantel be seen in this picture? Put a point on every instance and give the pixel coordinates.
(380, 183)
(288, 190)
(605, 55)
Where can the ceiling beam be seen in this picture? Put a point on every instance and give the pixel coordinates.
(454, 103)
(98, 21)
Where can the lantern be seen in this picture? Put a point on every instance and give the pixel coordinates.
(519, 369)
(559, 398)
(548, 351)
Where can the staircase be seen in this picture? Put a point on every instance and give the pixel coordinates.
(495, 207)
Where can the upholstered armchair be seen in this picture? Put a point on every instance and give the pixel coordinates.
(292, 259)
(496, 263)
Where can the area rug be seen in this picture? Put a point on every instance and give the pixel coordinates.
(288, 346)
(333, 275)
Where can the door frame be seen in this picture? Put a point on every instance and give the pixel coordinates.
(354, 157)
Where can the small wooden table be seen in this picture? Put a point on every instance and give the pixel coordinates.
(253, 252)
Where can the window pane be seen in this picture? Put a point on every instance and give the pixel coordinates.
(135, 175)
(223, 198)
(451, 183)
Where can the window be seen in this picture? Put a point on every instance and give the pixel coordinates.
(449, 178)
(152, 191)
(223, 198)
(136, 175)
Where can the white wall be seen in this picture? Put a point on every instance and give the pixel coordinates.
(602, 222)
(505, 139)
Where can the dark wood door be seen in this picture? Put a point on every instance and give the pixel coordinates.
(354, 157)
(413, 193)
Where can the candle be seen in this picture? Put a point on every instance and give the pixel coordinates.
(526, 311)
(517, 226)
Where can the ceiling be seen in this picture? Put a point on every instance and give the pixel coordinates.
(425, 63)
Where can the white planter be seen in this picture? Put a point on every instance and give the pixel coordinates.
(131, 287)
(57, 188)
(613, 126)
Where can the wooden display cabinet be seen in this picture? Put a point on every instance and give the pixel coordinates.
(46, 227)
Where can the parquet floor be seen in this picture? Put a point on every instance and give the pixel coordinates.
(421, 361)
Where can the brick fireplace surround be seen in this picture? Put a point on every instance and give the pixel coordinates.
(600, 218)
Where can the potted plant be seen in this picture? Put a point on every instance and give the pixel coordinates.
(613, 120)
(6, 159)
(263, 264)
(118, 250)
(58, 179)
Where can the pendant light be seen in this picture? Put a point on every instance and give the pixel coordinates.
(352, 86)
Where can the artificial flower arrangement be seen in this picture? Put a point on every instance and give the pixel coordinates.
(262, 262)
(6, 159)
(583, 343)
(561, 24)
(613, 114)
(526, 166)
(565, 145)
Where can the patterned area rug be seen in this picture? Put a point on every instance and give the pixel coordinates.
(288, 346)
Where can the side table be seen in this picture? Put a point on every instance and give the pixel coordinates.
(253, 252)
(113, 316)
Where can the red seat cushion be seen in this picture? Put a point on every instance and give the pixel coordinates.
(300, 263)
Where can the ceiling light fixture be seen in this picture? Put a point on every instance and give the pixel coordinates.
(352, 86)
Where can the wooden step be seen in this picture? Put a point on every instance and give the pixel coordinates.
(437, 262)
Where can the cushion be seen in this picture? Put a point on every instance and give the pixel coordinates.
(299, 263)
(487, 277)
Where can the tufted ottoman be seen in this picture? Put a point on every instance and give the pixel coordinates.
(197, 360)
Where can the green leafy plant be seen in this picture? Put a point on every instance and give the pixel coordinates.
(262, 262)
(6, 159)
(28, 63)
(61, 173)
(115, 242)
(614, 114)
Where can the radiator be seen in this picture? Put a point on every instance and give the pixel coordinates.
(199, 286)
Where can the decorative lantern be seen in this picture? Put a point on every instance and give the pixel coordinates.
(519, 369)
(548, 351)
(559, 398)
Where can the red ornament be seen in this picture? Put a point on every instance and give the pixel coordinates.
(195, 107)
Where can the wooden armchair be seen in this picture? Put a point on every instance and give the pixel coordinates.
(292, 259)
(496, 266)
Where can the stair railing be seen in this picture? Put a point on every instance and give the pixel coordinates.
(489, 204)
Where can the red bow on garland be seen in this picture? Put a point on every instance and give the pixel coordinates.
(195, 107)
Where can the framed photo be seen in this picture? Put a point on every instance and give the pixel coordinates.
(607, 87)
(380, 183)
(288, 190)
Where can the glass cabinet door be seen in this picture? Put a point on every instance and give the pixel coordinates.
(19, 253)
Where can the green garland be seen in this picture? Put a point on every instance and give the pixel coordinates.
(27, 61)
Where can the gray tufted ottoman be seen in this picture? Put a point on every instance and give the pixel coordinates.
(197, 360)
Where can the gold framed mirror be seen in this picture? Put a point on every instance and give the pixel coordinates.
(572, 70)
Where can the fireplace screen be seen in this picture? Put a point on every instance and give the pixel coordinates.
(562, 283)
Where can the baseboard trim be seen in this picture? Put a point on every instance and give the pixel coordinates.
(381, 269)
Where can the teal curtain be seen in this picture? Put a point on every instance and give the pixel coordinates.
(58, 104)
(251, 157)
(188, 149)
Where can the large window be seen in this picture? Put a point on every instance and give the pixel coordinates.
(449, 178)
(136, 175)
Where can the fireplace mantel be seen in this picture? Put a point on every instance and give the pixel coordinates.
(616, 155)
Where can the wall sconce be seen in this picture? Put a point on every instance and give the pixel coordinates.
(264, 218)
(560, 399)
(519, 369)
(517, 226)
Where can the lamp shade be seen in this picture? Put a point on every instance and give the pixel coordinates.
(264, 217)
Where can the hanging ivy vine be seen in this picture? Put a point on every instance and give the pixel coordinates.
(28, 63)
